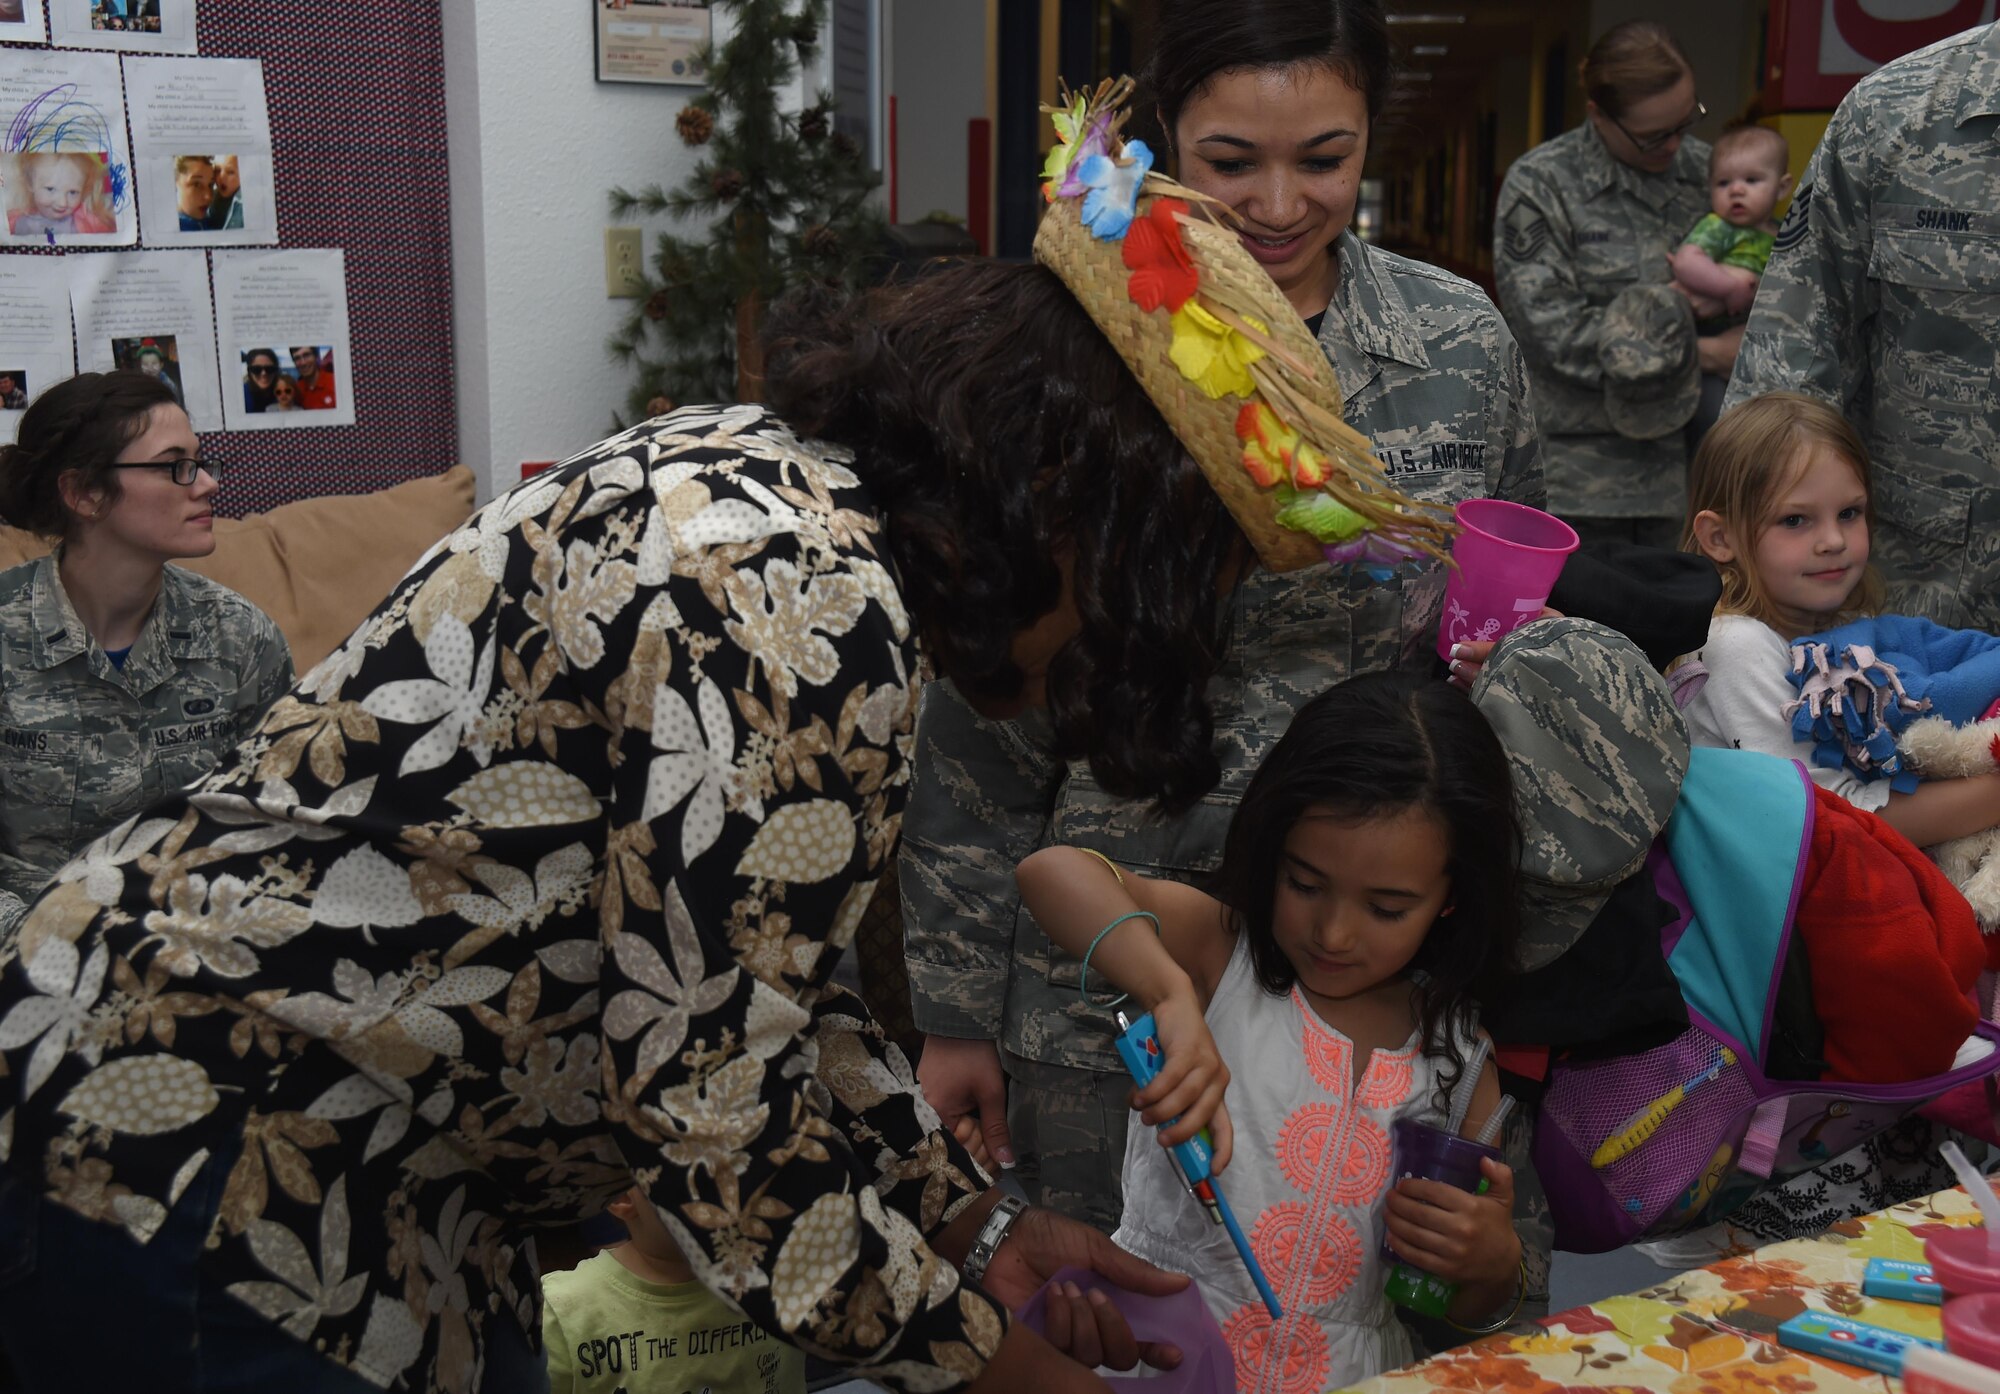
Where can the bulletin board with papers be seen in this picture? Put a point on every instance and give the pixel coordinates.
(254, 208)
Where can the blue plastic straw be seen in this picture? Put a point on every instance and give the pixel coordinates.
(1249, 1259)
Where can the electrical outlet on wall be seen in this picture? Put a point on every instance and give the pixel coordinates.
(624, 276)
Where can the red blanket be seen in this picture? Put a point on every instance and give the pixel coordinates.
(1893, 947)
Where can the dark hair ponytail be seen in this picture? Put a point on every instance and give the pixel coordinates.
(1374, 746)
(1198, 39)
(79, 427)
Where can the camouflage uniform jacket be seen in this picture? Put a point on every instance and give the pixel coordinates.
(1575, 227)
(85, 745)
(529, 892)
(1883, 297)
(1429, 373)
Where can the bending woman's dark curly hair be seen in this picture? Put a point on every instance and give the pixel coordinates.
(1371, 747)
(1000, 434)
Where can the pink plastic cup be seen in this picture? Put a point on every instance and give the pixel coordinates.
(1972, 1328)
(1508, 556)
(1961, 1261)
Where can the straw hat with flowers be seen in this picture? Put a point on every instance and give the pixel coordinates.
(1217, 347)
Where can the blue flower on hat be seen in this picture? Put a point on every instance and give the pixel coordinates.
(1113, 185)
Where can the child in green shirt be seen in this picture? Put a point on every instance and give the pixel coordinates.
(633, 1320)
(1724, 255)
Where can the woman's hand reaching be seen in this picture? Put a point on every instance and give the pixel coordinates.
(1191, 1085)
(1468, 659)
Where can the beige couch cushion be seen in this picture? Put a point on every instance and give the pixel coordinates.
(318, 566)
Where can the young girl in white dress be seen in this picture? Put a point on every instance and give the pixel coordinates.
(1779, 501)
(1366, 899)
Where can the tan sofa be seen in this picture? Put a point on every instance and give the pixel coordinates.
(319, 566)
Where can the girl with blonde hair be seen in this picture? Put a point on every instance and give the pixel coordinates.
(1779, 500)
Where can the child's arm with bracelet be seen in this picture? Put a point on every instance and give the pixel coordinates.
(1461, 1237)
(1163, 943)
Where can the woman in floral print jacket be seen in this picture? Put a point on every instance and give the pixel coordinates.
(535, 886)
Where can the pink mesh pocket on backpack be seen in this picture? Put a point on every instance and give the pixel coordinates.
(1659, 1122)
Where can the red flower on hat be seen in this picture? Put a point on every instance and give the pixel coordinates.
(1162, 273)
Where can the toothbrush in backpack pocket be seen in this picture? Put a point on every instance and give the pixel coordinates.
(1139, 1048)
(1643, 1124)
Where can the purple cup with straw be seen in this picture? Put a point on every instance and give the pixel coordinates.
(1507, 557)
(1430, 1154)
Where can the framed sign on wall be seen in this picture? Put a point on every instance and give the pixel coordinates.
(651, 40)
(1818, 49)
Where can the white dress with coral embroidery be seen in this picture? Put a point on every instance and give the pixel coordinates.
(1309, 1182)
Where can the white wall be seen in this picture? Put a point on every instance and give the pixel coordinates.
(535, 144)
(938, 74)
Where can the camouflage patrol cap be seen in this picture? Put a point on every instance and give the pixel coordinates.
(1652, 370)
(1598, 751)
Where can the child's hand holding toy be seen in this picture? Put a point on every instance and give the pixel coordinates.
(1191, 1084)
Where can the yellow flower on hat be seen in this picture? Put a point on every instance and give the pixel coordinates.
(1211, 355)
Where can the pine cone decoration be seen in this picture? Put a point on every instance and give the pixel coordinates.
(659, 406)
(812, 124)
(696, 125)
(727, 183)
(656, 307)
(844, 146)
(821, 241)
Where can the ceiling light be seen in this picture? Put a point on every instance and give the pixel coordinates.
(1427, 18)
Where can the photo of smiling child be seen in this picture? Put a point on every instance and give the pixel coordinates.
(57, 193)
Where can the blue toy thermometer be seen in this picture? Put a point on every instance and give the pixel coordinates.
(1139, 1048)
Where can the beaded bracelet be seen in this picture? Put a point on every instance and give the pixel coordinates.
(1083, 982)
(1520, 1296)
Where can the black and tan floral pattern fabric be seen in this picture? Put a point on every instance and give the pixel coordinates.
(531, 888)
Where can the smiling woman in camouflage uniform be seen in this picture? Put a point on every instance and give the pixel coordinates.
(122, 678)
(1268, 107)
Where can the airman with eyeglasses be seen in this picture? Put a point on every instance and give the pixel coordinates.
(1582, 219)
(127, 676)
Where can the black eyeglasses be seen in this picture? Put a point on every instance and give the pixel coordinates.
(1652, 143)
(264, 370)
(184, 471)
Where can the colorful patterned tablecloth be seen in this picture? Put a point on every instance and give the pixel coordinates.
(1711, 1330)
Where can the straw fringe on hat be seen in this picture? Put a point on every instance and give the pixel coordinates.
(1223, 355)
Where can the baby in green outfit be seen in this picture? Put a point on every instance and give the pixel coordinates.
(1723, 257)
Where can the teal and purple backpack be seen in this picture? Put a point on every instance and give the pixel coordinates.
(1650, 1144)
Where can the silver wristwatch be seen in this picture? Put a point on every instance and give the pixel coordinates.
(998, 1221)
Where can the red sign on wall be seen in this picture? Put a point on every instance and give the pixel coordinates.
(1819, 49)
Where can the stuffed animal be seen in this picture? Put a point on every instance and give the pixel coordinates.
(1936, 749)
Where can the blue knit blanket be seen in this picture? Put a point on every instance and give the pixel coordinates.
(1860, 685)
